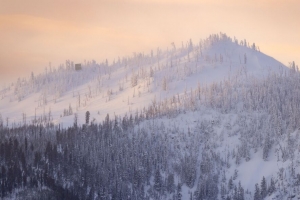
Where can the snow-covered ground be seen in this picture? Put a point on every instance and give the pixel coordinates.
(131, 85)
(102, 89)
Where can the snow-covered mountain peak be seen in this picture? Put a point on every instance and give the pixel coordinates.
(132, 83)
(216, 118)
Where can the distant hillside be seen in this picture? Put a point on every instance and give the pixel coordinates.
(131, 83)
(210, 120)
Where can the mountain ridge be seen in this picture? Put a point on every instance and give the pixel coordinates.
(198, 122)
(134, 82)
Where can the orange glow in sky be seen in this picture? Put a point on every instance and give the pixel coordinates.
(34, 33)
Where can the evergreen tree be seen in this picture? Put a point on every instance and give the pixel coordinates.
(267, 146)
(87, 117)
(272, 187)
(157, 181)
(223, 190)
(179, 195)
(263, 186)
(75, 119)
(240, 192)
(235, 193)
(230, 184)
(257, 192)
(170, 183)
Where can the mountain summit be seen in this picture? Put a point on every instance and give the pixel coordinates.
(216, 119)
(132, 83)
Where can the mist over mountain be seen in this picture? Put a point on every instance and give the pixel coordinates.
(208, 119)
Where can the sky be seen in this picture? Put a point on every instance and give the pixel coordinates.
(36, 32)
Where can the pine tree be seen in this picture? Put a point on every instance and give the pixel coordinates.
(272, 187)
(240, 192)
(263, 186)
(257, 192)
(230, 184)
(235, 175)
(87, 117)
(170, 183)
(179, 195)
(134, 80)
(75, 119)
(235, 194)
(267, 146)
(157, 181)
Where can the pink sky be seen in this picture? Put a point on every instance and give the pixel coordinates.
(34, 33)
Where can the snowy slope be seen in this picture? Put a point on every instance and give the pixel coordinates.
(214, 68)
(102, 89)
(224, 141)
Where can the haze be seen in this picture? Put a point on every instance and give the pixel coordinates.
(34, 33)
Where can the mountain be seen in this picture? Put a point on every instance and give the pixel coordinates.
(130, 84)
(212, 120)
